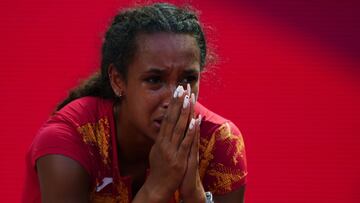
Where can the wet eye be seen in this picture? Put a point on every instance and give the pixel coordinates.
(189, 79)
(153, 80)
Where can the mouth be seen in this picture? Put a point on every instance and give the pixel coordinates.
(157, 123)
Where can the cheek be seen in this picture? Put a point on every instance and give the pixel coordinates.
(153, 100)
(146, 103)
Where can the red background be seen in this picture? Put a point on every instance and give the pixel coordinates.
(287, 75)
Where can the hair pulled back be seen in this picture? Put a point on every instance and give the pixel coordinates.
(119, 45)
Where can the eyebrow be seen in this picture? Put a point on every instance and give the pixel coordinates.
(163, 70)
(191, 71)
(156, 70)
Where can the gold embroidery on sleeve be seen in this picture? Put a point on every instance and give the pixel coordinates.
(235, 143)
(223, 174)
(123, 196)
(177, 196)
(96, 198)
(207, 148)
(97, 134)
(225, 177)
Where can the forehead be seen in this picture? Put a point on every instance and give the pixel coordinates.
(161, 40)
(167, 49)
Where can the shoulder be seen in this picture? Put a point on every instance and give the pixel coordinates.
(85, 109)
(74, 130)
(219, 133)
(213, 123)
(223, 166)
(73, 119)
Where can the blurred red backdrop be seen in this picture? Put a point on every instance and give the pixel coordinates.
(287, 75)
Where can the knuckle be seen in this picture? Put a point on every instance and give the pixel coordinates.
(162, 150)
(176, 165)
(185, 145)
(167, 157)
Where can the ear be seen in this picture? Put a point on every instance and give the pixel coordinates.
(116, 80)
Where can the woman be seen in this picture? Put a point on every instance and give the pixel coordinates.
(134, 131)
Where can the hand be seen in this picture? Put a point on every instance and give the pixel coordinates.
(191, 188)
(169, 155)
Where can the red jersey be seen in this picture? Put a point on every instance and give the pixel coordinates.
(84, 130)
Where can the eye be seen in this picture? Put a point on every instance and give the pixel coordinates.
(189, 79)
(153, 80)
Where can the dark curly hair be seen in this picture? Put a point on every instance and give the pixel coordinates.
(119, 44)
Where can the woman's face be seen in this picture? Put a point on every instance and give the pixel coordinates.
(161, 63)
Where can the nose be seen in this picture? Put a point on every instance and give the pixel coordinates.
(168, 95)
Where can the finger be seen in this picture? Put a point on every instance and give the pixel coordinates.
(172, 114)
(194, 151)
(192, 159)
(185, 145)
(196, 143)
(184, 121)
(181, 125)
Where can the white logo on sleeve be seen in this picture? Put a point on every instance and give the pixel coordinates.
(106, 181)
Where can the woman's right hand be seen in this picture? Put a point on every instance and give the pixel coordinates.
(169, 154)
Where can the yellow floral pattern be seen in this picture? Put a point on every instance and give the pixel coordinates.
(97, 134)
(219, 173)
(124, 196)
(206, 147)
(225, 178)
(235, 143)
(100, 198)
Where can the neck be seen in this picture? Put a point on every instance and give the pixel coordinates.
(133, 146)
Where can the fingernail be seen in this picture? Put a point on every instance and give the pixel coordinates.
(193, 98)
(199, 119)
(192, 124)
(181, 91)
(188, 88)
(175, 93)
(186, 101)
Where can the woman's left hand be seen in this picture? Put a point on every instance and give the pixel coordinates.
(191, 188)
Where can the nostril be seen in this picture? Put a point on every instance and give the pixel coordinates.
(165, 105)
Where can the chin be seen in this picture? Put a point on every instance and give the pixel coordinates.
(151, 134)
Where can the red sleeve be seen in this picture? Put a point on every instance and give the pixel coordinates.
(223, 164)
(61, 138)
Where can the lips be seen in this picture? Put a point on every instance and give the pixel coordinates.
(157, 122)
